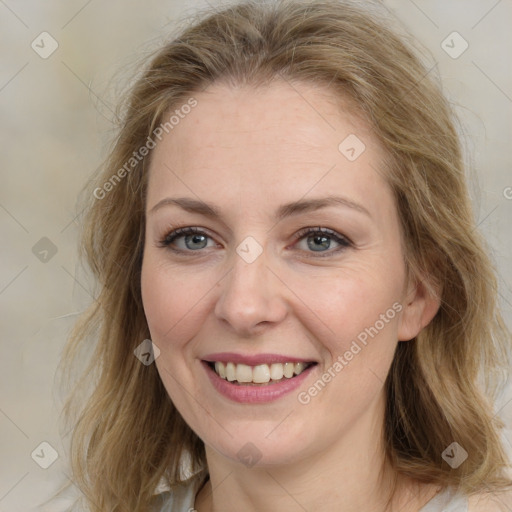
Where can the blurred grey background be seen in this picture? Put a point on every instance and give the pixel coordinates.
(62, 65)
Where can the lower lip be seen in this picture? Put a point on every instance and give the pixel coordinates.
(247, 394)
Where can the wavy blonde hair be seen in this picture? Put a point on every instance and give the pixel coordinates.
(127, 436)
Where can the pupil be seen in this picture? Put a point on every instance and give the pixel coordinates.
(323, 240)
(195, 238)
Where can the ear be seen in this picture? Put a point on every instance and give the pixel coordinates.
(420, 305)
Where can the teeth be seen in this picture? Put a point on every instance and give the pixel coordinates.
(220, 369)
(276, 371)
(230, 372)
(243, 373)
(299, 368)
(288, 369)
(260, 374)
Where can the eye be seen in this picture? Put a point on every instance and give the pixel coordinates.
(320, 239)
(193, 239)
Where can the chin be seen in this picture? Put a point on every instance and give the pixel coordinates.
(262, 447)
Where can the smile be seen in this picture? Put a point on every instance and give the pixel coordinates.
(261, 374)
(256, 379)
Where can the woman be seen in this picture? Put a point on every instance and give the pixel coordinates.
(295, 304)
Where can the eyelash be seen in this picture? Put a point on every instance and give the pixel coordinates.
(342, 240)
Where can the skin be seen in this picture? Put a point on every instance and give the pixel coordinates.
(248, 151)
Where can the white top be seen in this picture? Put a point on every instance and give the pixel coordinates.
(447, 501)
(183, 499)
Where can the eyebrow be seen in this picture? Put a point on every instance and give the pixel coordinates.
(286, 210)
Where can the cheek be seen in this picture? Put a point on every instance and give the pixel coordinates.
(346, 303)
(358, 313)
(172, 301)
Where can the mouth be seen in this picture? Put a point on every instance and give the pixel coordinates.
(258, 375)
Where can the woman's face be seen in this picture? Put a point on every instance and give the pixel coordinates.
(252, 286)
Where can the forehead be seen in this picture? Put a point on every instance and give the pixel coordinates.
(267, 143)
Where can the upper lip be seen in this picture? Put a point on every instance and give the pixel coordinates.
(253, 359)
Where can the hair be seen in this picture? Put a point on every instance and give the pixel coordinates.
(129, 437)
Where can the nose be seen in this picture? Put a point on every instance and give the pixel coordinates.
(251, 297)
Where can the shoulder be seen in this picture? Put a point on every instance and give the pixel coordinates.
(490, 502)
(181, 497)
